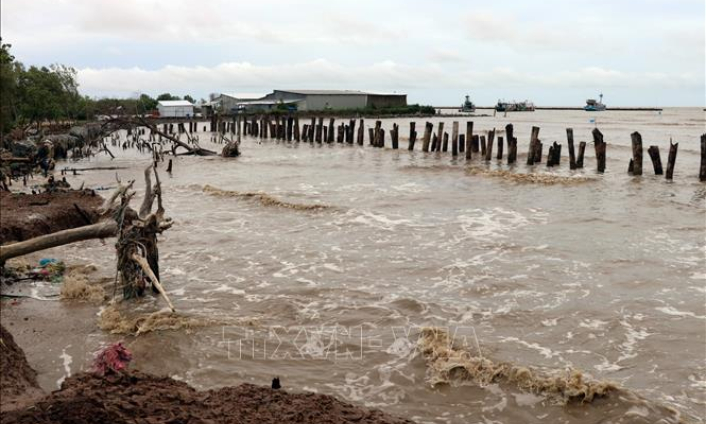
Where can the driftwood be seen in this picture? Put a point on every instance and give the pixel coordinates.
(136, 231)
(100, 230)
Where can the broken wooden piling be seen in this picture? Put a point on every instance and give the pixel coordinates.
(412, 136)
(671, 159)
(702, 168)
(636, 161)
(600, 147)
(653, 151)
(469, 136)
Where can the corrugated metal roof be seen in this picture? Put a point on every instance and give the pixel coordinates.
(340, 92)
(181, 103)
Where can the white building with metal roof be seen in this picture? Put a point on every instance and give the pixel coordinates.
(175, 109)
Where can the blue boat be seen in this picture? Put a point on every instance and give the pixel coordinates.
(593, 105)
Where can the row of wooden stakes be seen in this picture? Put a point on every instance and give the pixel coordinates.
(468, 144)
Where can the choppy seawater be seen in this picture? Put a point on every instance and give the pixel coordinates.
(606, 276)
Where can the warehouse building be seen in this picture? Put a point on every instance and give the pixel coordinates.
(175, 109)
(228, 103)
(307, 100)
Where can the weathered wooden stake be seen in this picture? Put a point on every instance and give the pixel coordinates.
(653, 151)
(454, 146)
(489, 147)
(702, 168)
(482, 146)
(434, 143)
(330, 130)
(361, 132)
(600, 147)
(445, 143)
(393, 136)
(500, 148)
(579, 158)
(454, 133)
(570, 142)
(469, 139)
(296, 129)
(532, 153)
(427, 135)
(671, 160)
(636, 161)
(439, 136)
(412, 136)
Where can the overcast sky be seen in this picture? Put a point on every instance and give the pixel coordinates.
(554, 52)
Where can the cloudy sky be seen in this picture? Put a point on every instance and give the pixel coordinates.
(554, 52)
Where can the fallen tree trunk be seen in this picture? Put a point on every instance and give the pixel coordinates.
(104, 229)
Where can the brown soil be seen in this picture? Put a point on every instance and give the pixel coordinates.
(18, 381)
(24, 216)
(138, 397)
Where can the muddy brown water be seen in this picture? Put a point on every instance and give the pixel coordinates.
(603, 274)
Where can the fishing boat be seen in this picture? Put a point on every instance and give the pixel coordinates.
(467, 106)
(525, 106)
(593, 105)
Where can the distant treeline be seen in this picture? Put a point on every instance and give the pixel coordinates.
(40, 94)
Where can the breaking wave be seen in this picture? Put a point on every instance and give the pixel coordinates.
(447, 363)
(547, 179)
(115, 321)
(264, 199)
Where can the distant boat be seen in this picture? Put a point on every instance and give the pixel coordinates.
(467, 106)
(595, 106)
(525, 106)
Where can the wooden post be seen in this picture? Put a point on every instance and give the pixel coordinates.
(340, 135)
(702, 168)
(554, 155)
(326, 135)
(500, 148)
(636, 139)
(361, 132)
(482, 146)
(330, 130)
(445, 143)
(434, 143)
(531, 154)
(454, 146)
(371, 136)
(412, 136)
(600, 147)
(376, 138)
(169, 166)
(427, 135)
(671, 160)
(653, 151)
(489, 147)
(512, 151)
(454, 135)
(352, 131)
(539, 147)
(393, 136)
(570, 142)
(439, 136)
(469, 139)
(582, 150)
(381, 138)
(296, 129)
